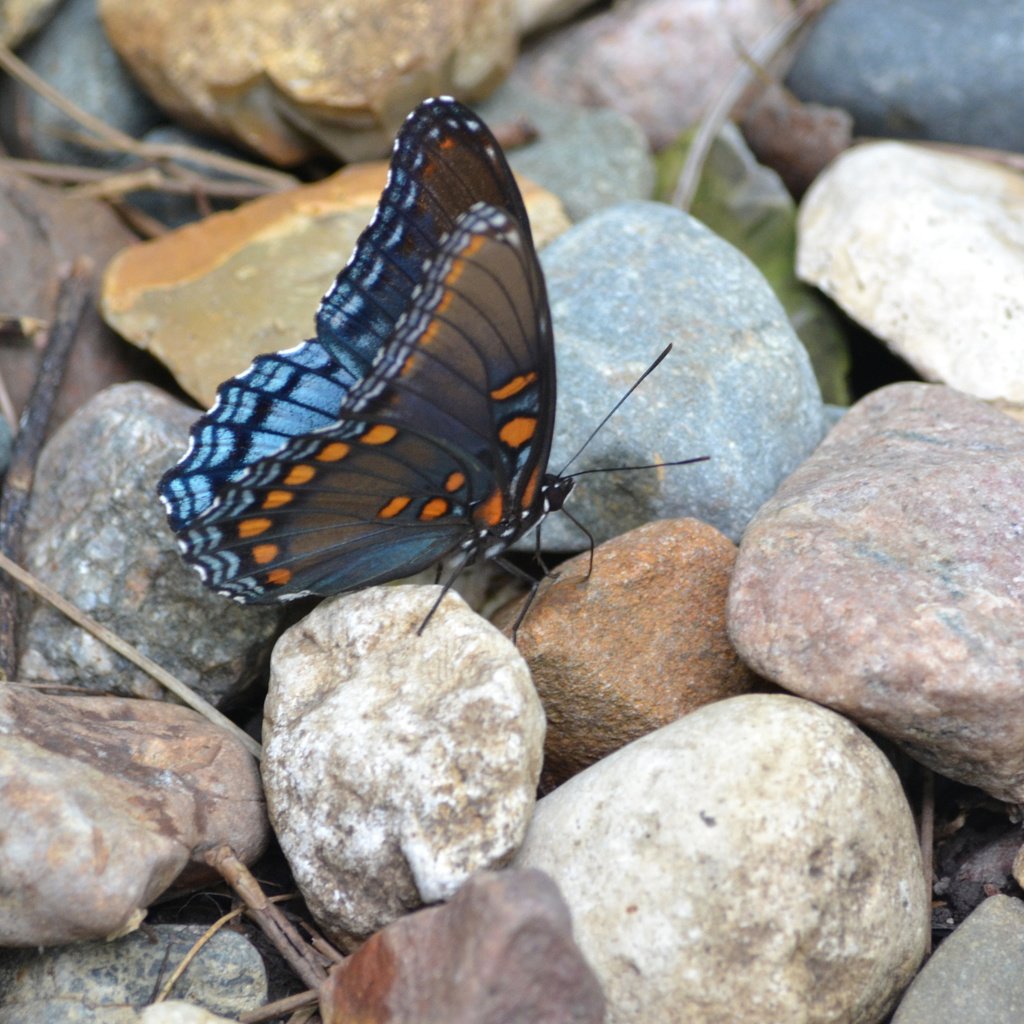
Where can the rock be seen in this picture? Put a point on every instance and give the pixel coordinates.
(922, 69)
(765, 869)
(625, 283)
(106, 982)
(175, 1011)
(748, 206)
(532, 15)
(208, 298)
(106, 801)
(926, 250)
(659, 61)
(97, 534)
(977, 975)
(74, 56)
(589, 158)
(883, 579)
(975, 863)
(20, 18)
(275, 76)
(501, 950)
(798, 140)
(396, 764)
(639, 644)
(41, 232)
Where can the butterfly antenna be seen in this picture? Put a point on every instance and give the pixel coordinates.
(615, 408)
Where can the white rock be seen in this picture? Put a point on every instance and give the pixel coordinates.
(396, 765)
(926, 250)
(177, 1011)
(754, 861)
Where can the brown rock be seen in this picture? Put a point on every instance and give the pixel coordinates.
(41, 233)
(105, 801)
(209, 297)
(638, 645)
(659, 61)
(501, 950)
(885, 579)
(274, 74)
(20, 18)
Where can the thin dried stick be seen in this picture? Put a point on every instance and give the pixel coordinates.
(288, 942)
(126, 650)
(71, 300)
(299, 1001)
(926, 834)
(113, 138)
(718, 112)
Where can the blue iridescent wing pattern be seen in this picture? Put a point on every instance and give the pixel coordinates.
(417, 423)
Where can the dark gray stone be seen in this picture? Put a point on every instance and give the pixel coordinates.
(589, 158)
(920, 69)
(977, 975)
(738, 386)
(72, 53)
(96, 532)
(106, 982)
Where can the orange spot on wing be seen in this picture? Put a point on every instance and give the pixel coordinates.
(333, 451)
(380, 434)
(252, 527)
(455, 481)
(275, 499)
(279, 577)
(434, 508)
(491, 509)
(264, 553)
(300, 474)
(530, 490)
(518, 431)
(393, 507)
(514, 386)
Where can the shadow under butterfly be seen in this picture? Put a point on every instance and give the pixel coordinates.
(417, 424)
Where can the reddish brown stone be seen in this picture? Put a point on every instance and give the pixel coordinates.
(634, 647)
(501, 950)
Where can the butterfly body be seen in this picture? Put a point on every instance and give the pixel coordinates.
(417, 424)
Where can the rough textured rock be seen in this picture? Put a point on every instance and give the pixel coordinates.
(105, 802)
(977, 975)
(501, 950)
(20, 18)
(883, 579)
(926, 250)
(396, 764)
(922, 69)
(754, 861)
(105, 982)
(275, 74)
(738, 387)
(97, 534)
(662, 62)
(207, 298)
(635, 646)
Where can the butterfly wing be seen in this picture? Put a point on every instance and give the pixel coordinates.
(419, 420)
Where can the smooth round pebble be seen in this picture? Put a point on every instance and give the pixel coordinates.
(396, 764)
(754, 861)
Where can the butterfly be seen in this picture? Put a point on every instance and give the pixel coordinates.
(417, 423)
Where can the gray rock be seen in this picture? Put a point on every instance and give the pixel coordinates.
(589, 158)
(396, 764)
(977, 975)
(920, 69)
(97, 534)
(754, 861)
(738, 386)
(883, 579)
(73, 54)
(106, 982)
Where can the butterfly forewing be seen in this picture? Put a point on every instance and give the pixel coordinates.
(310, 477)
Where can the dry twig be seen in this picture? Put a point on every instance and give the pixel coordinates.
(71, 300)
